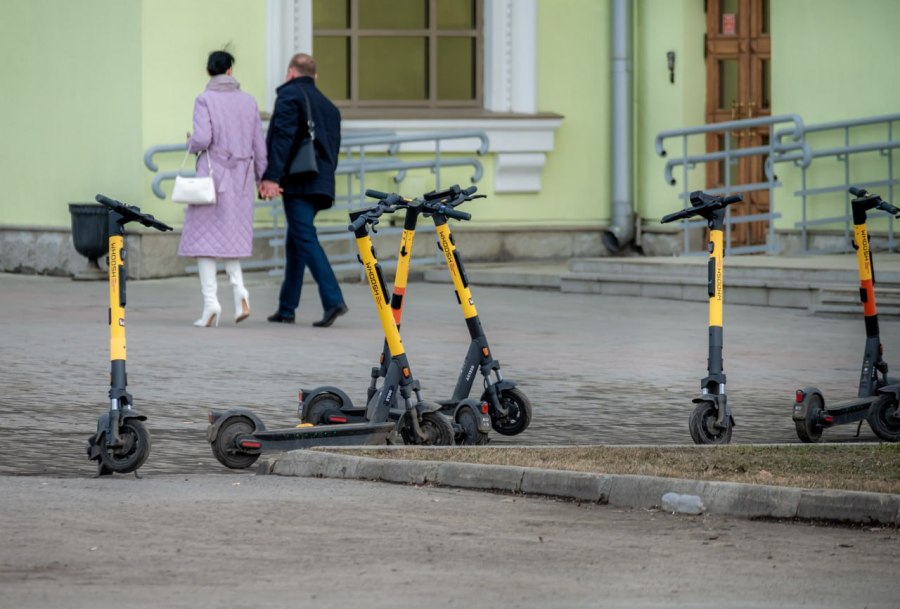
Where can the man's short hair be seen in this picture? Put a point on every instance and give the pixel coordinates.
(304, 64)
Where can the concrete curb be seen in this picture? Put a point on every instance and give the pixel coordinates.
(723, 498)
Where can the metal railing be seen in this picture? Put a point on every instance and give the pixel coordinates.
(775, 151)
(361, 156)
(843, 154)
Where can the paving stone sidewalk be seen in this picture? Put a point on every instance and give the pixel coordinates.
(599, 369)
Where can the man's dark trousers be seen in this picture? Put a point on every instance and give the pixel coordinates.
(302, 249)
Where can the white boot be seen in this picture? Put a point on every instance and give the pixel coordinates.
(206, 267)
(241, 295)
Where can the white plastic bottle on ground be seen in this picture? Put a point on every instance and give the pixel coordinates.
(682, 504)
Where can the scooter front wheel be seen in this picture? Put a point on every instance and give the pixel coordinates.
(884, 417)
(518, 412)
(437, 429)
(225, 448)
(133, 451)
(703, 428)
(810, 429)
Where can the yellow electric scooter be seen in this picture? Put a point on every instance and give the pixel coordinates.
(238, 436)
(501, 405)
(122, 443)
(711, 421)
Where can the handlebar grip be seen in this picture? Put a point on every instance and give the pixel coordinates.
(106, 201)
(357, 224)
(732, 199)
(376, 194)
(471, 190)
(858, 192)
(678, 215)
(452, 213)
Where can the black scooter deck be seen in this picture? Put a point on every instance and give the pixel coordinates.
(848, 411)
(351, 434)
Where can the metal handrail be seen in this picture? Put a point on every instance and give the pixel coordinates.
(728, 126)
(775, 152)
(842, 154)
(356, 162)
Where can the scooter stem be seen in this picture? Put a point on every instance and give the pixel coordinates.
(118, 393)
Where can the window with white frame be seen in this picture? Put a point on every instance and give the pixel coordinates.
(399, 53)
(496, 93)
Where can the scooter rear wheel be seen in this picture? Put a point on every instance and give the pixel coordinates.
(518, 409)
(132, 453)
(809, 429)
(322, 405)
(884, 417)
(225, 448)
(471, 435)
(703, 428)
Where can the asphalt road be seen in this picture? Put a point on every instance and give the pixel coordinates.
(264, 541)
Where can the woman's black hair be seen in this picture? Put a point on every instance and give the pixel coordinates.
(219, 62)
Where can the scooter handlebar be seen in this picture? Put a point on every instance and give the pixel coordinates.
(449, 212)
(132, 214)
(435, 195)
(701, 204)
(678, 215)
(376, 194)
(876, 201)
(885, 206)
(358, 223)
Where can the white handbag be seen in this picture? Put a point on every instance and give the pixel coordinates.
(194, 191)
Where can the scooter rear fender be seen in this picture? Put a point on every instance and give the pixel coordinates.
(800, 408)
(309, 394)
(218, 417)
(483, 419)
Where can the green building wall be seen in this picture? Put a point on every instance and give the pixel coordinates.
(89, 85)
(834, 60)
(176, 38)
(71, 106)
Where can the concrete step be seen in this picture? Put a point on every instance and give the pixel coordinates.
(816, 270)
(752, 291)
(844, 301)
(826, 285)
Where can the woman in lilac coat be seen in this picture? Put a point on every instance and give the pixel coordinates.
(227, 132)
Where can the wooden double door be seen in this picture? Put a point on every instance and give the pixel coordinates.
(738, 77)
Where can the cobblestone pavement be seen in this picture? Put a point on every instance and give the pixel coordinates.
(598, 369)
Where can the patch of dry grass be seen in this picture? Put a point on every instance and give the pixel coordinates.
(874, 468)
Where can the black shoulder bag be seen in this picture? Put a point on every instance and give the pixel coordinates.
(304, 164)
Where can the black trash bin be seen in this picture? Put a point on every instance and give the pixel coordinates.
(90, 235)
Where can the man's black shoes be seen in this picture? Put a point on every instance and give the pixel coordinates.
(330, 316)
(278, 318)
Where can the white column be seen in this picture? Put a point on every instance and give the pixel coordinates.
(524, 57)
(288, 31)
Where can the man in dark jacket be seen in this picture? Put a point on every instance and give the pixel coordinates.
(303, 196)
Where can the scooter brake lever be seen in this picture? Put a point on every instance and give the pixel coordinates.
(885, 206)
